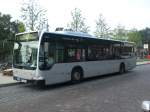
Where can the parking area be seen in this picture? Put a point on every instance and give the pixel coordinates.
(112, 93)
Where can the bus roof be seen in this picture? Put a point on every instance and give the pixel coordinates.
(85, 35)
(71, 33)
(78, 35)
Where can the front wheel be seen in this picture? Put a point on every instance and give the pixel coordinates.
(76, 76)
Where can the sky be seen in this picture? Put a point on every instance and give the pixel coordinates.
(128, 13)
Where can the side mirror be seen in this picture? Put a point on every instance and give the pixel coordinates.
(146, 106)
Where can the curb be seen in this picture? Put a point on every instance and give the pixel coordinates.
(9, 84)
(143, 64)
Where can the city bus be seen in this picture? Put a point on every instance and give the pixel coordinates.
(54, 57)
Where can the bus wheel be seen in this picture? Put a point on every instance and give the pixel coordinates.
(122, 69)
(76, 76)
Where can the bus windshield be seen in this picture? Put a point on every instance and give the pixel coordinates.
(25, 51)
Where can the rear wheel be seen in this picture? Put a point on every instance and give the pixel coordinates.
(122, 69)
(76, 76)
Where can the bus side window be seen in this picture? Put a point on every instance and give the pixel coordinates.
(71, 55)
(83, 55)
(90, 55)
(59, 55)
(78, 54)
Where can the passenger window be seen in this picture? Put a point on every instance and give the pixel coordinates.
(71, 54)
(59, 53)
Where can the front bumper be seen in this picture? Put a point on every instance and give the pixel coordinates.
(38, 82)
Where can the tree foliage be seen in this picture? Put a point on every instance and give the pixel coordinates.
(101, 28)
(135, 36)
(78, 22)
(33, 15)
(4, 26)
(18, 26)
(8, 29)
(120, 33)
(145, 34)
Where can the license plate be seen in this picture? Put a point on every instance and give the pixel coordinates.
(21, 80)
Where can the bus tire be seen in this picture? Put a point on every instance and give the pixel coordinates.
(122, 68)
(76, 75)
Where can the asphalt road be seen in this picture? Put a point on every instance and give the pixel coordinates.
(113, 93)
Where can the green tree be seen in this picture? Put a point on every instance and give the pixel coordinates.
(4, 26)
(101, 28)
(17, 27)
(120, 33)
(145, 35)
(78, 22)
(8, 29)
(33, 15)
(5, 35)
(135, 36)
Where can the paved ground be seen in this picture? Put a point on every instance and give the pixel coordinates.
(114, 93)
(6, 80)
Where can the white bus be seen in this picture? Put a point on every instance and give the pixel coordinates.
(54, 57)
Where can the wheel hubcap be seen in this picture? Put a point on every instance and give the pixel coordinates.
(77, 76)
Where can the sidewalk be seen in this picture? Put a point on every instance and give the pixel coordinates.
(6, 80)
(142, 63)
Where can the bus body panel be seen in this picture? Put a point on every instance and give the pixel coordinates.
(58, 73)
(62, 72)
(130, 63)
(23, 74)
(100, 67)
(90, 69)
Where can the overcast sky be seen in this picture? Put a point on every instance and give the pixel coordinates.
(129, 13)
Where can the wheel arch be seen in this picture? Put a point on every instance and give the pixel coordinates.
(78, 67)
